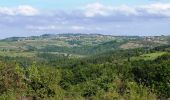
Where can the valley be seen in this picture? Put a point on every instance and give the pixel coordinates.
(85, 67)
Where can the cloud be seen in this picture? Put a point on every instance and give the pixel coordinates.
(24, 10)
(92, 10)
(97, 9)
(142, 11)
(92, 18)
(157, 9)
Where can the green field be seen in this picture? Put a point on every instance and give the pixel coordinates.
(149, 56)
(18, 54)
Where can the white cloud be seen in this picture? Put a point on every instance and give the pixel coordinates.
(126, 10)
(92, 10)
(26, 10)
(5, 10)
(94, 17)
(20, 10)
(157, 8)
(97, 9)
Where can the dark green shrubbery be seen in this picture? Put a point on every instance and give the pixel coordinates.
(107, 76)
(154, 74)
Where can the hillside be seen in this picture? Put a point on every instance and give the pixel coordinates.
(76, 44)
(85, 67)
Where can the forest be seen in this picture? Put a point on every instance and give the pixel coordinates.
(84, 67)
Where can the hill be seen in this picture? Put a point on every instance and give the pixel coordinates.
(85, 67)
(77, 44)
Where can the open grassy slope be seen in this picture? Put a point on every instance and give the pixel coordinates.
(149, 56)
(75, 44)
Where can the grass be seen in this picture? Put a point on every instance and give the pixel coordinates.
(17, 54)
(32, 54)
(150, 56)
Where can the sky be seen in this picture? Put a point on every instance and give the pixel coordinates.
(113, 17)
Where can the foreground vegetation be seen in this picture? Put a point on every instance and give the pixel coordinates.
(108, 74)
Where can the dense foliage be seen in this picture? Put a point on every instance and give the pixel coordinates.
(154, 74)
(100, 73)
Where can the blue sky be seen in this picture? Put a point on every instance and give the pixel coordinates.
(72, 4)
(115, 17)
